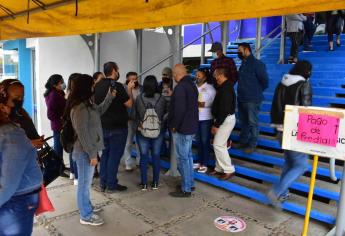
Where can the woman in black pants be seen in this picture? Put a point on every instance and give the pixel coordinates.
(334, 25)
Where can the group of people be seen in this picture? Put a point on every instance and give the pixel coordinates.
(107, 116)
(301, 29)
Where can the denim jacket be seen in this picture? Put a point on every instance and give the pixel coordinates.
(19, 170)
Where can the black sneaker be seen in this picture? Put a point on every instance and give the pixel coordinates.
(180, 194)
(99, 188)
(154, 186)
(121, 188)
(178, 188)
(249, 150)
(239, 145)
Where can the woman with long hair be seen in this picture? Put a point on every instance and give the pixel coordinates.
(20, 175)
(56, 102)
(85, 117)
(150, 98)
(15, 91)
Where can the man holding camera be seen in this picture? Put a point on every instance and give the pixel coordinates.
(115, 127)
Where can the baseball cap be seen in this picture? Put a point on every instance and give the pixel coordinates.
(216, 46)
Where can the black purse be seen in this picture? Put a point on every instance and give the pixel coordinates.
(51, 164)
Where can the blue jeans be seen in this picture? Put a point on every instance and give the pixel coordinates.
(57, 144)
(85, 171)
(17, 215)
(204, 137)
(295, 165)
(73, 166)
(145, 144)
(249, 118)
(183, 146)
(114, 142)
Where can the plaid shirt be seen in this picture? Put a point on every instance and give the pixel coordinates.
(227, 63)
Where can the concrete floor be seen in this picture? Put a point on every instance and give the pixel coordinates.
(156, 213)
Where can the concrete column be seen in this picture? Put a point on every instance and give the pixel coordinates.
(175, 40)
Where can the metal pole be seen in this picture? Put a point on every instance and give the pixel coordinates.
(97, 52)
(282, 42)
(258, 37)
(211, 36)
(310, 196)
(139, 35)
(202, 57)
(340, 225)
(225, 35)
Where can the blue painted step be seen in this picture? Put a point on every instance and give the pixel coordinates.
(258, 196)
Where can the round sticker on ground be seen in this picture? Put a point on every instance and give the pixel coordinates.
(230, 224)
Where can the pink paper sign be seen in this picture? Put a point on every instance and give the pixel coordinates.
(318, 129)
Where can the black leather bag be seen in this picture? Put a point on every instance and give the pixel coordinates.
(51, 164)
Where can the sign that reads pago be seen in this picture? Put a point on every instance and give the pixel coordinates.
(315, 130)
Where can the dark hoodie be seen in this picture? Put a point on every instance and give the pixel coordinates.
(292, 90)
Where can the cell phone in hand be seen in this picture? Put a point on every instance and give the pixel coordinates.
(113, 85)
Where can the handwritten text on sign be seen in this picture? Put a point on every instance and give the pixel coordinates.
(318, 129)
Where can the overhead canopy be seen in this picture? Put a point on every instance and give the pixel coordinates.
(94, 16)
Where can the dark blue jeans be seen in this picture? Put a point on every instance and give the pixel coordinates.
(57, 144)
(145, 145)
(310, 28)
(249, 118)
(114, 142)
(203, 138)
(17, 215)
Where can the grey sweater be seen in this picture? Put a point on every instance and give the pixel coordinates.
(86, 121)
(294, 23)
(139, 108)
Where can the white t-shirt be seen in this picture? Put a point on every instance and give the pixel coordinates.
(206, 94)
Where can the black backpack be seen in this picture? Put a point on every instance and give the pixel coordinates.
(67, 135)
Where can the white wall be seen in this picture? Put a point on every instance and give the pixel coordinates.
(121, 47)
(155, 47)
(57, 55)
(67, 55)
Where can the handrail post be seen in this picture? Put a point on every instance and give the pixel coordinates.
(203, 42)
(282, 42)
(139, 36)
(258, 37)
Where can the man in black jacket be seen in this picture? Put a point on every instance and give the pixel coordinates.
(114, 124)
(183, 122)
(294, 89)
(223, 111)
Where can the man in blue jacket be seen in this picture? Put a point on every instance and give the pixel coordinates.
(253, 80)
(183, 122)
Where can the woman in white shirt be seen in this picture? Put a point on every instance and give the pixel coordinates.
(206, 96)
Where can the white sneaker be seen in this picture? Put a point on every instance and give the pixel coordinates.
(202, 169)
(95, 220)
(196, 166)
(71, 176)
(75, 182)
